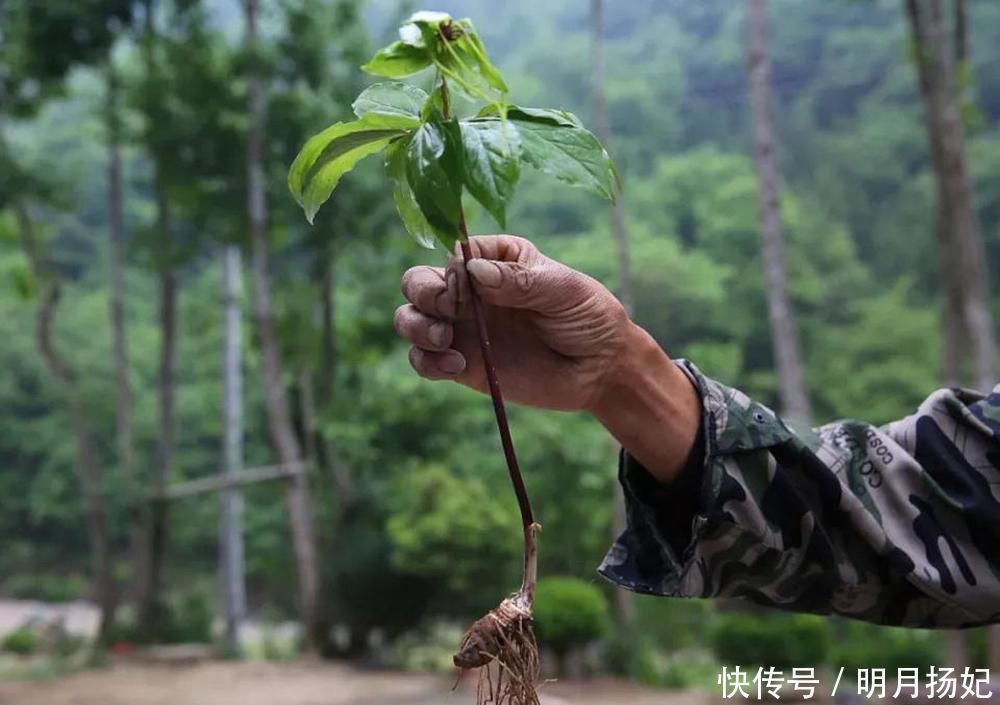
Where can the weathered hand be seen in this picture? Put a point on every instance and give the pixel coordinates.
(561, 341)
(555, 331)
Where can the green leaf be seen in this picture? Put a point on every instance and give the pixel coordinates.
(482, 62)
(434, 172)
(391, 98)
(334, 152)
(553, 142)
(491, 156)
(398, 60)
(402, 195)
(543, 115)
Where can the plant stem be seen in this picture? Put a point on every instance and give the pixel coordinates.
(486, 350)
(500, 411)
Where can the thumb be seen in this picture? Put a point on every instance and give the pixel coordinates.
(537, 286)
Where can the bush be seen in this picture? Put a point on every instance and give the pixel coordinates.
(569, 612)
(185, 618)
(778, 640)
(22, 642)
(188, 619)
(45, 588)
(429, 649)
(870, 646)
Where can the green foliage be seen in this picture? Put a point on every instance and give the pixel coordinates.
(438, 153)
(398, 60)
(332, 153)
(556, 144)
(778, 640)
(491, 152)
(188, 618)
(46, 587)
(428, 649)
(275, 645)
(391, 100)
(22, 642)
(569, 612)
(447, 527)
(861, 646)
(857, 205)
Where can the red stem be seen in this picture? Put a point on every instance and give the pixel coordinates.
(486, 349)
(527, 592)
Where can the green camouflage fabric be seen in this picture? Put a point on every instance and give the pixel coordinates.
(895, 525)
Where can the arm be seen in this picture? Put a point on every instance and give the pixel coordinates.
(896, 525)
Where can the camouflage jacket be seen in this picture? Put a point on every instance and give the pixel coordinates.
(896, 525)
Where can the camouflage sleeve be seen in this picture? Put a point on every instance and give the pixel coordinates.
(896, 525)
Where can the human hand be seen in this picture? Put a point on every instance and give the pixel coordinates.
(561, 341)
(555, 331)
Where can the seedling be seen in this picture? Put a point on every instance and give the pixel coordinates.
(433, 154)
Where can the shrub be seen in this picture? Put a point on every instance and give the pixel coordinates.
(45, 588)
(22, 642)
(188, 619)
(569, 612)
(184, 618)
(870, 646)
(428, 649)
(779, 640)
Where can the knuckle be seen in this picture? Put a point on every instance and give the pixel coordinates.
(522, 278)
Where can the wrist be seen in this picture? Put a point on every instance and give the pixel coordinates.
(649, 405)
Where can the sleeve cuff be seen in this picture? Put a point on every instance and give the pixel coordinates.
(666, 523)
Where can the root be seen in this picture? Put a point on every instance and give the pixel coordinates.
(502, 645)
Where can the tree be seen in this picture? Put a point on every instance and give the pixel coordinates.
(124, 432)
(624, 605)
(784, 331)
(968, 326)
(278, 411)
(41, 45)
(230, 525)
(90, 476)
(159, 142)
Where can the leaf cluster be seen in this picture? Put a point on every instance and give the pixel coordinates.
(433, 156)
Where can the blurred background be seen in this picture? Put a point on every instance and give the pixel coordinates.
(211, 441)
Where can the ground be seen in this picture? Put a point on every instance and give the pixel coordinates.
(301, 683)
(128, 682)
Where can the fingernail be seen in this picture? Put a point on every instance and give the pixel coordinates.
(438, 333)
(451, 364)
(485, 272)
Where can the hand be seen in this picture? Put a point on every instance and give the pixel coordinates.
(561, 341)
(554, 331)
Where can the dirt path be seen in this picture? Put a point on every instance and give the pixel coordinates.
(297, 684)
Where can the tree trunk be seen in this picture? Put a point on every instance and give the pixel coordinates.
(784, 330)
(328, 307)
(124, 434)
(231, 529)
(278, 412)
(339, 476)
(963, 268)
(624, 602)
(150, 611)
(151, 604)
(961, 36)
(307, 413)
(88, 469)
(968, 325)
